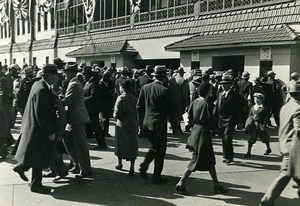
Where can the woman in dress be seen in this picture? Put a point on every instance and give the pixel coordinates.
(126, 130)
(200, 143)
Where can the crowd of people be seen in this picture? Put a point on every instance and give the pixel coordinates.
(62, 104)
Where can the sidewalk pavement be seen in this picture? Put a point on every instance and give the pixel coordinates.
(247, 179)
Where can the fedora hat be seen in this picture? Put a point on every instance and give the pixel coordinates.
(180, 70)
(95, 71)
(58, 61)
(245, 74)
(269, 73)
(149, 69)
(226, 78)
(258, 95)
(124, 70)
(256, 79)
(71, 66)
(294, 87)
(197, 80)
(49, 69)
(208, 71)
(197, 72)
(160, 70)
(28, 70)
(294, 74)
(87, 70)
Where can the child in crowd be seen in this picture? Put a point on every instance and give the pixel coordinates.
(256, 124)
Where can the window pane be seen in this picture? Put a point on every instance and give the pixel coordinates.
(97, 11)
(80, 15)
(180, 2)
(145, 6)
(162, 4)
(108, 10)
(121, 8)
(46, 21)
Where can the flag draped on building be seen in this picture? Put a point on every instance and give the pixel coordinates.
(44, 6)
(135, 6)
(67, 3)
(89, 7)
(21, 8)
(4, 18)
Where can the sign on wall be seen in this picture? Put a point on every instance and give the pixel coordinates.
(195, 56)
(265, 53)
(113, 59)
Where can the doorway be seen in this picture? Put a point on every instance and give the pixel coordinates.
(236, 63)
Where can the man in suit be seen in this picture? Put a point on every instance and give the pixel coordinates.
(154, 103)
(227, 110)
(244, 88)
(143, 80)
(124, 75)
(77, 117)
(92, 103)
(25, 88)
(180, 98)
(107, 101)
(38, 130)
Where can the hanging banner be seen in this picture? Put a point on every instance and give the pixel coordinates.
(89, 7)
(44, 6)
(21, 8)
(3, 13)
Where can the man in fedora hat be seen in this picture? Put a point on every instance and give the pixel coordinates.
(154, 105)
(77, 117)
(244, 88)
(180, 99)
(143, 80)
(227, 110)
(294, 78)
(25, 88)
(38, 130)
(93, 104)
(289, 146)
(276, 97)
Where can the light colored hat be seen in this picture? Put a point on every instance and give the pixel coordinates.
(245, 75)
(294, 87)
(269, 73)
(226, 78)
(294, 74)
(28, 70)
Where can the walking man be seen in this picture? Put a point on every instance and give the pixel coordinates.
(289, 146)
(38, 130)
(154, 104)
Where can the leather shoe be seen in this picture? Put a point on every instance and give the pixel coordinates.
(21, 173)
(59, 177)
(159, 180)
(84, 175)
(265, 204)
(75, 170)
(143, 173)
(41, 189)
(50, 174)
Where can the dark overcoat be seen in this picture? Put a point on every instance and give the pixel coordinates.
(92, 95)
(199, 142)
(38, 123)
(154, 104)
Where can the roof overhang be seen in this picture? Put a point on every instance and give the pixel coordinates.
(283, 35)
(110, 48)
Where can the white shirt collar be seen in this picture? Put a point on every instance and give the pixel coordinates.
(256, 106)
(48, 85)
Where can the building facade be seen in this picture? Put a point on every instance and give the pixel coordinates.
(252, 35)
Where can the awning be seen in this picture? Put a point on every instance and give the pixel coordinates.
(155, 48)
(110, 48)
(281, 34)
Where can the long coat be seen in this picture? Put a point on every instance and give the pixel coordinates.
(74, 99)
(229, 110)
(154, 104)
(289, 136)
(38, 123)
(200, 142)
(106, 98)
(92, 95)
(126, 127)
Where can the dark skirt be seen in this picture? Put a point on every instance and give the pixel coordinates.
(203, 158)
